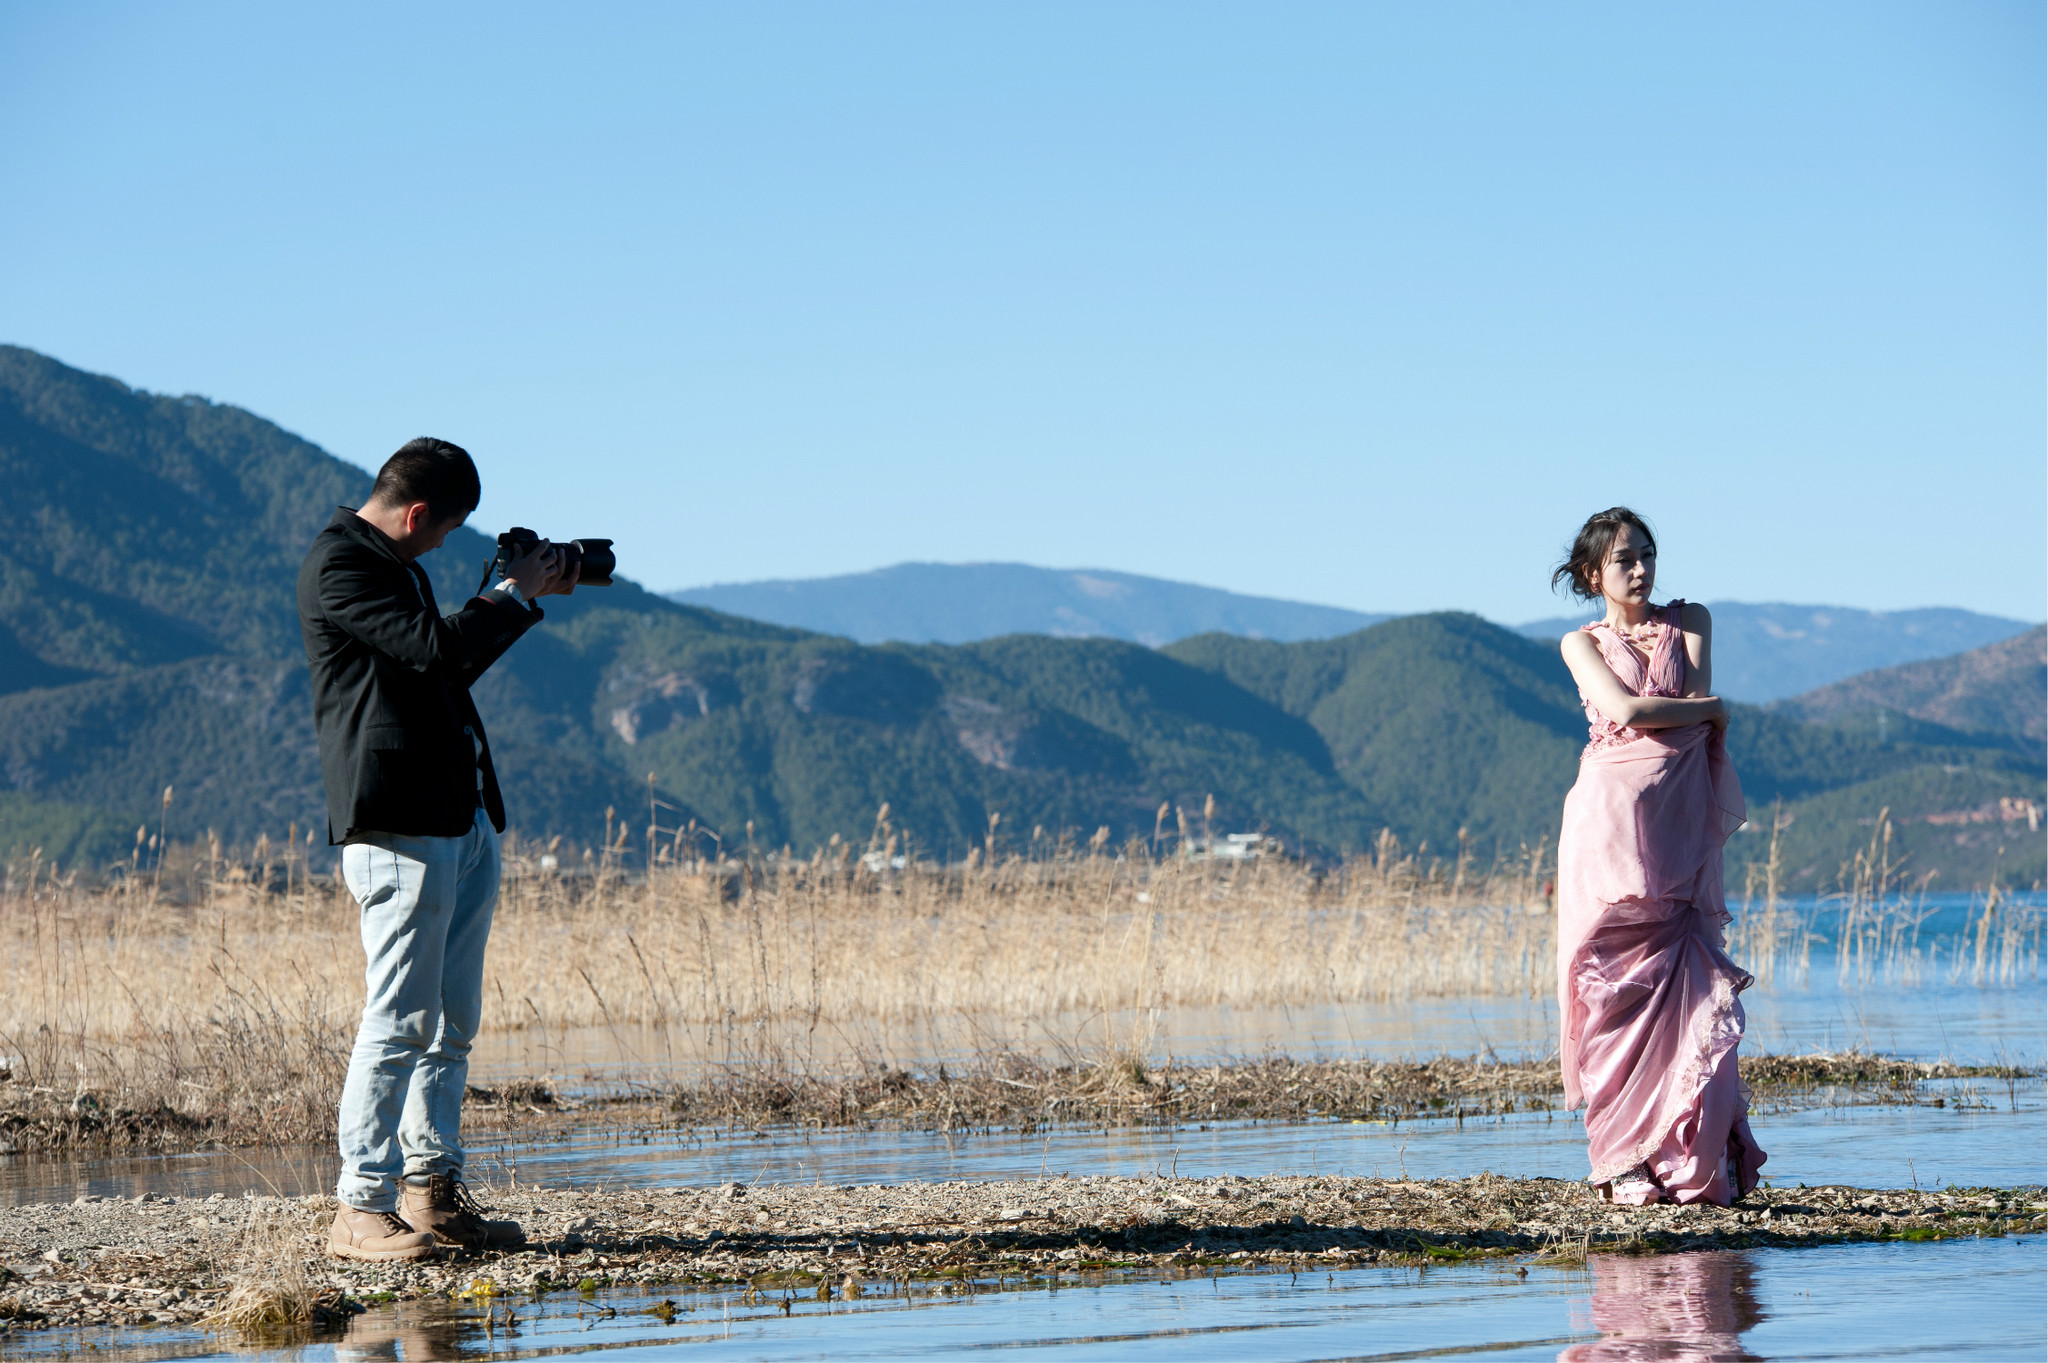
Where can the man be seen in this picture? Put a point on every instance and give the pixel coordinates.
(413, 801)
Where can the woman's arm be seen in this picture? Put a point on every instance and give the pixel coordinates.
(1698, 627)
(1598, 684)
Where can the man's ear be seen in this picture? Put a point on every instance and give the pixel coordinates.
(417, 518)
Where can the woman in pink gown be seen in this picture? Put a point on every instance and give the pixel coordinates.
(1646, 993)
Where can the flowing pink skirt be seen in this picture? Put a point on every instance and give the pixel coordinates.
(1646, 992)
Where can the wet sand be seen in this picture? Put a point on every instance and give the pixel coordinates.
(172, 1260)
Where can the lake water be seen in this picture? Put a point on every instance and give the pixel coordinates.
(1966, 1300)
(2004, 1143)
(1975, 1300)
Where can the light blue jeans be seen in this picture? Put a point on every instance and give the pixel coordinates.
(426, 913)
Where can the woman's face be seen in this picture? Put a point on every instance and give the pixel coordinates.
(1630, 571)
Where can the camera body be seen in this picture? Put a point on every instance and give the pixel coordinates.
(592, 559)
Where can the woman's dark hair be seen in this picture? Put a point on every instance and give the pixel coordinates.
(1581, 567)
(433, 471)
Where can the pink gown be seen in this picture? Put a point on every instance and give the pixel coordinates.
(1646, 993)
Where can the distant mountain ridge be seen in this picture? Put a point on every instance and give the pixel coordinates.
(960, 603)
(1766, 652)
(148, 639)
(1762, 653)
(1998, 689)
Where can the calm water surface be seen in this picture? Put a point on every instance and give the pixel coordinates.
(2002, 1144)
(1964, 1300)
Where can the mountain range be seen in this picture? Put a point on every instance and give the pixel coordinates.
(1995, 689)
(1762, 653)
(148, 640)
(963, 603)
(1768, 652)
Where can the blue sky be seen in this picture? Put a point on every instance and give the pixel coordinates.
(1361, 304)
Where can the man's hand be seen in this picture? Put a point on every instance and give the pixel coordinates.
(539, 572)
(565, 576)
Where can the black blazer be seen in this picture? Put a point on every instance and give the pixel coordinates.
(391, 679)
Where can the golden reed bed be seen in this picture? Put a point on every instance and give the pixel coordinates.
(224, 1010)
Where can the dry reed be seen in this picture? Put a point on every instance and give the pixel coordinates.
(128, 1016)
(1874, 923)
(222, 1007)
(831, 954)
(271, 1291)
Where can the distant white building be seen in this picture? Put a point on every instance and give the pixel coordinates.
(1231, 847)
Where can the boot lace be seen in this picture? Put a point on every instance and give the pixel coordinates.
(470, 1204)
(448, 1193)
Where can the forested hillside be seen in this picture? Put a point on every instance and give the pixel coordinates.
(148, 640)
(1454, 722)
(2001, 689)
(1442, 721)
(1769, 651)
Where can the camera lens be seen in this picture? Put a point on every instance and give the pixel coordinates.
(598, 563)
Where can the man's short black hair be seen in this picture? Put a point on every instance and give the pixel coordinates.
(437, 472)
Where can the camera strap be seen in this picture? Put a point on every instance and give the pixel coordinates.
(489, 568)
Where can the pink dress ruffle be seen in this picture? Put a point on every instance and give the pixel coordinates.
(1646, 992)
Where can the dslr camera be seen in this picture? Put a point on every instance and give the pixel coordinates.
(592, 559)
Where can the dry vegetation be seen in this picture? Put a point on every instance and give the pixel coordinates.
(1874, 924)
(1024, 1093)
(219, 1004)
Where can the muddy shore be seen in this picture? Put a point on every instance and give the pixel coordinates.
(157, 1259)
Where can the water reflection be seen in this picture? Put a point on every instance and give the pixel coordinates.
(1938, 1302)
(1685, 1308)
(412, 1335)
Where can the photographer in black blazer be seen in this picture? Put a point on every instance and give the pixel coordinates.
(413, 801)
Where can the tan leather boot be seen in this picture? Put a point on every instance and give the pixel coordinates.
(376, 1237)
(444, 1209)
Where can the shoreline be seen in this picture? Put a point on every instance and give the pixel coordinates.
(181, 1261)
(1007, 1091)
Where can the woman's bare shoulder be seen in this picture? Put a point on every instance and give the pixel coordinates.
(1581, 642)
(1694, 618)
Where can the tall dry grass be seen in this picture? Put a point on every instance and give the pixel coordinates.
(126, 1014)
(219, 999)
(773, 956)
(1874, 925)
(231, 1006)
